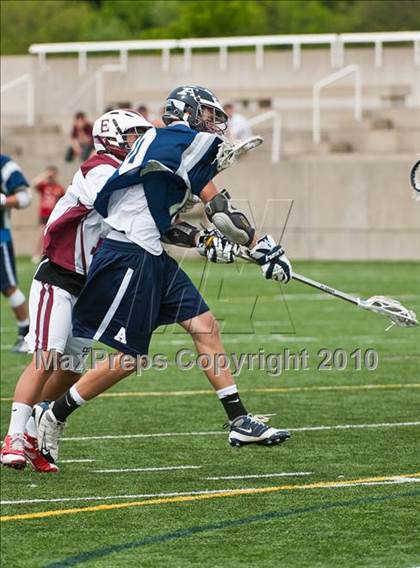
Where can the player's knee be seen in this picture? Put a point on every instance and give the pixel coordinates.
(208, 329)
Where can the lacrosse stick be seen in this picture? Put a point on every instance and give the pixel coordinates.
(230, 152)
(415, 180)
(393, 309)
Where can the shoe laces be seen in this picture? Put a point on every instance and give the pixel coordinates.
(256, 418)
(260, 418)
(16, 441)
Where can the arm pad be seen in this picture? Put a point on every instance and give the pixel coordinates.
(181, 234)
(24, 197)
(231, 223)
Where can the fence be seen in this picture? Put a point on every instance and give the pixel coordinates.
(337, 43)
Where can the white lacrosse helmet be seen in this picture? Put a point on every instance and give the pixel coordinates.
(110, 131)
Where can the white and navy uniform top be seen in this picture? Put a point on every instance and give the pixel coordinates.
(155, 180)
(12, 180)
(74, 228)
(133, 286)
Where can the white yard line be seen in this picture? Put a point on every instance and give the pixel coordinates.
(111, 497)
(316, 486)
(364, 483)
(77, 461)
(260, 476)
(131, 436)
(145, 469)
(217, 432)
(352, 426)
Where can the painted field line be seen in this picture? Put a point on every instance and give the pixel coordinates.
(255, 390)
(144, 469)
(261, 476)
(402, 478)
(112, 497)
(330, 485)
(355, 426)
(220, 432)
(77, 461)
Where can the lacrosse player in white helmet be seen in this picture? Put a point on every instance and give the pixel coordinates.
(71, 236)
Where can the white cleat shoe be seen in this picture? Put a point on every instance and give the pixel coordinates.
(251, 429)
(49, 431)
(20, 346)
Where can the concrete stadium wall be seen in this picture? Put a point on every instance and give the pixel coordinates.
(341, 207)
(60, 89)
(345, 206)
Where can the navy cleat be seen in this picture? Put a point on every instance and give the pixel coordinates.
(253, 430)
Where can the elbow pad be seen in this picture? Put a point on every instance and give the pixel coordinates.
(24, 198)
(229, 221)
(181, 234)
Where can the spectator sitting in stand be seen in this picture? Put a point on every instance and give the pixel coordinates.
(238, 126)
(81, 138)
(50, 191)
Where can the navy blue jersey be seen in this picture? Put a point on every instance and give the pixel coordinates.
(171, 164)
(12, 178)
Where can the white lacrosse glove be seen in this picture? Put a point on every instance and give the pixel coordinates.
(3, 200)
(272, 259)
(216, 247)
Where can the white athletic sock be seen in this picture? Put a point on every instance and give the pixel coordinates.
(19, 417)
(30, 427)
(226, 391)
(76, 396)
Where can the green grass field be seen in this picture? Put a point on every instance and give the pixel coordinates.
(344, 495)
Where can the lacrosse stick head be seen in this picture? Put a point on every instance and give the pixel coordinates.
(393, 309)
(230, 152)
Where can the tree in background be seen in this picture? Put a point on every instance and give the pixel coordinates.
(41, 21)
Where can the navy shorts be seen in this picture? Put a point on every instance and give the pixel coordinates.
(7, 266)
(129, 293)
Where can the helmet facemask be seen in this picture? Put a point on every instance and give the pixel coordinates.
(210, 119)
(123, 141)
(126, 139)
(200, 114)
(116, 131)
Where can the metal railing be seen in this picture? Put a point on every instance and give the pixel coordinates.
(336, 42)
(122, 47)
(27, 80)
(97, 79)
(316, 97)
(258, 42)
(276, 133)
(378, 39)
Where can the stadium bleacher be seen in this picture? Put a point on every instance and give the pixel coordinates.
(382, 144)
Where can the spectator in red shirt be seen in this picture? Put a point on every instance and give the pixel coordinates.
(81, 138)
(50, 191)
